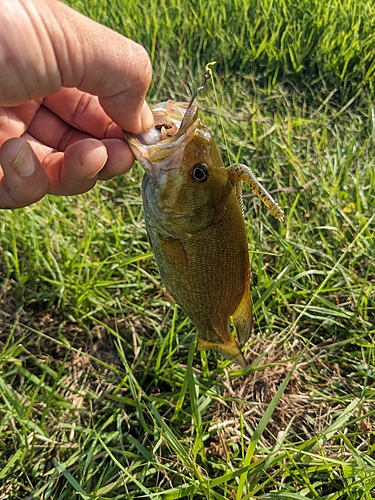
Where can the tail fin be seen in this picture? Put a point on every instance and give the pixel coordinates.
(229, 350)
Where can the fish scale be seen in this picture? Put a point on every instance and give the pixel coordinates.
(207, 276)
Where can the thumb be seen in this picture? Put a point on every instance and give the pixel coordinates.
(47, 45)
(23, 180)
(99, 61)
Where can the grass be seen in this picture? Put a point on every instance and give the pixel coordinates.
(102, 393)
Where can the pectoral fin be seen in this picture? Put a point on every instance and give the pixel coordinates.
(243, 318)
(168, 296)
(149, 239)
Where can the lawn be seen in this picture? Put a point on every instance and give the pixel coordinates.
(102, 392)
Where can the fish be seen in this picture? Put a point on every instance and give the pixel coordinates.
(194, 217)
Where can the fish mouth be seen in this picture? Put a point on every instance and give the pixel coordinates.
(159, 149)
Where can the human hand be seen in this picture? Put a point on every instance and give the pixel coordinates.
(68, 87)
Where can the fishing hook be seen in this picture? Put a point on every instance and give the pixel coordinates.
(187, 114)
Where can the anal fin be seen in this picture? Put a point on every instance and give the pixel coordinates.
(243, 318)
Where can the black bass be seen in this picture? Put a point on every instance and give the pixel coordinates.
(194, 218)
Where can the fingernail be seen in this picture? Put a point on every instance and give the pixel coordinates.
(24, 163)
(147, 118)
(99, 170)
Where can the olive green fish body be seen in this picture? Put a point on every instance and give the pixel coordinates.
(207, 273)
(193, 212)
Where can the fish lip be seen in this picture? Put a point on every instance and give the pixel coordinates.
(152, 151)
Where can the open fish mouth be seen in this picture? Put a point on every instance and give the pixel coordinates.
(160, 148)
(168, 117)
(175, 124)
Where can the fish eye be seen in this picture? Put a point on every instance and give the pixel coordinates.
(200, 172)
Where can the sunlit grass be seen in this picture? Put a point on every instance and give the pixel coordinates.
(102, 393)
(318, 43)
